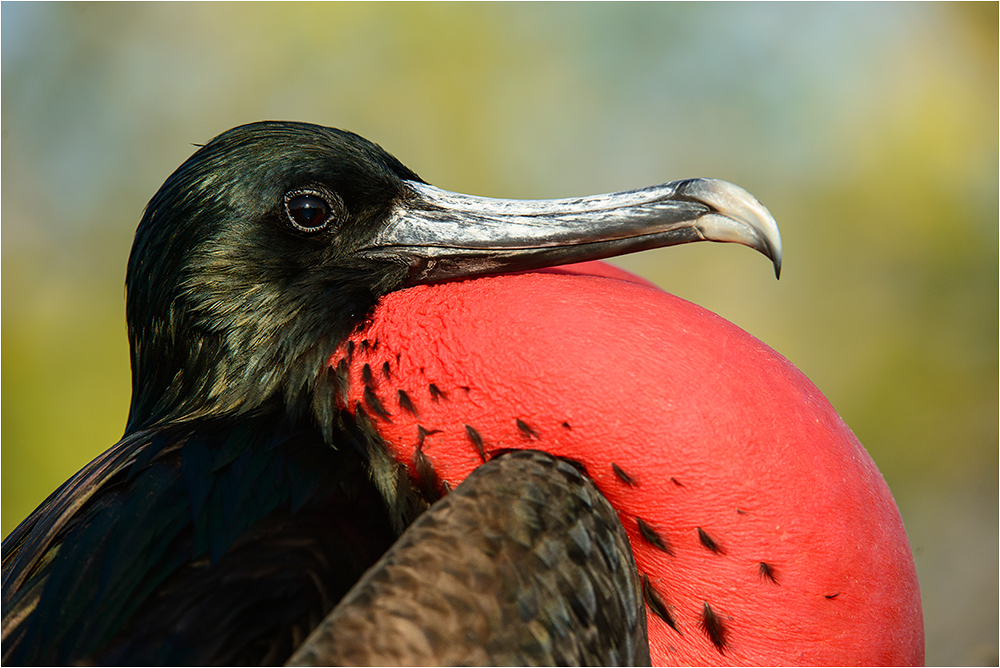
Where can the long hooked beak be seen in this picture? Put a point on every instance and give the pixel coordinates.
(444, 235)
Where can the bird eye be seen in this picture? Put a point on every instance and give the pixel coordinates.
(309, 211)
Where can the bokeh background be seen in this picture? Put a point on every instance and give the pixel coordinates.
(870, 131)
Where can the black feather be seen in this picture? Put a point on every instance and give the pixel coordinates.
(406, 404)
(656, 604)
(525, 429)
(366, 375)
(375, 404)
(768, 572)
(476, 439)
(714, 628)
(624, 477)
(654, 538)
(709, 542)
(436, 392)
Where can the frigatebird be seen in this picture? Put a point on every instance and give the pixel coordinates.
(277, 443)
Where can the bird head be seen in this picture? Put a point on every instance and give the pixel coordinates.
(239, 259)
(268, 246)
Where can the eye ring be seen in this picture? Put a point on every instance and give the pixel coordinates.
(311, 210)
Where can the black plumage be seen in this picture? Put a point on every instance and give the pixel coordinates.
(560, 590)
(240, 505)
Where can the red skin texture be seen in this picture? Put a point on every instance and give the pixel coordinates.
(716, 430)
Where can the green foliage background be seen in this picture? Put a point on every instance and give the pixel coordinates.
(870, 131)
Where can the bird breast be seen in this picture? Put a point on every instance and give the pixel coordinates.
(758, 521)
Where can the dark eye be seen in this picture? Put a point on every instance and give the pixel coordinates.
(310, 211)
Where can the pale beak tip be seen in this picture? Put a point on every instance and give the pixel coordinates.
(737, 217)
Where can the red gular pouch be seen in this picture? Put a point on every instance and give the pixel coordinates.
(763, 532)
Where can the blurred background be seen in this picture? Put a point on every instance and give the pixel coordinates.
(870, 131)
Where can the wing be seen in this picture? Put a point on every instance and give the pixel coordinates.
(525, 563)
(224, 543)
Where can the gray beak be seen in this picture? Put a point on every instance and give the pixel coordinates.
(444, 235)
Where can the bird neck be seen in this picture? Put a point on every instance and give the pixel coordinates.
(195, 374)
